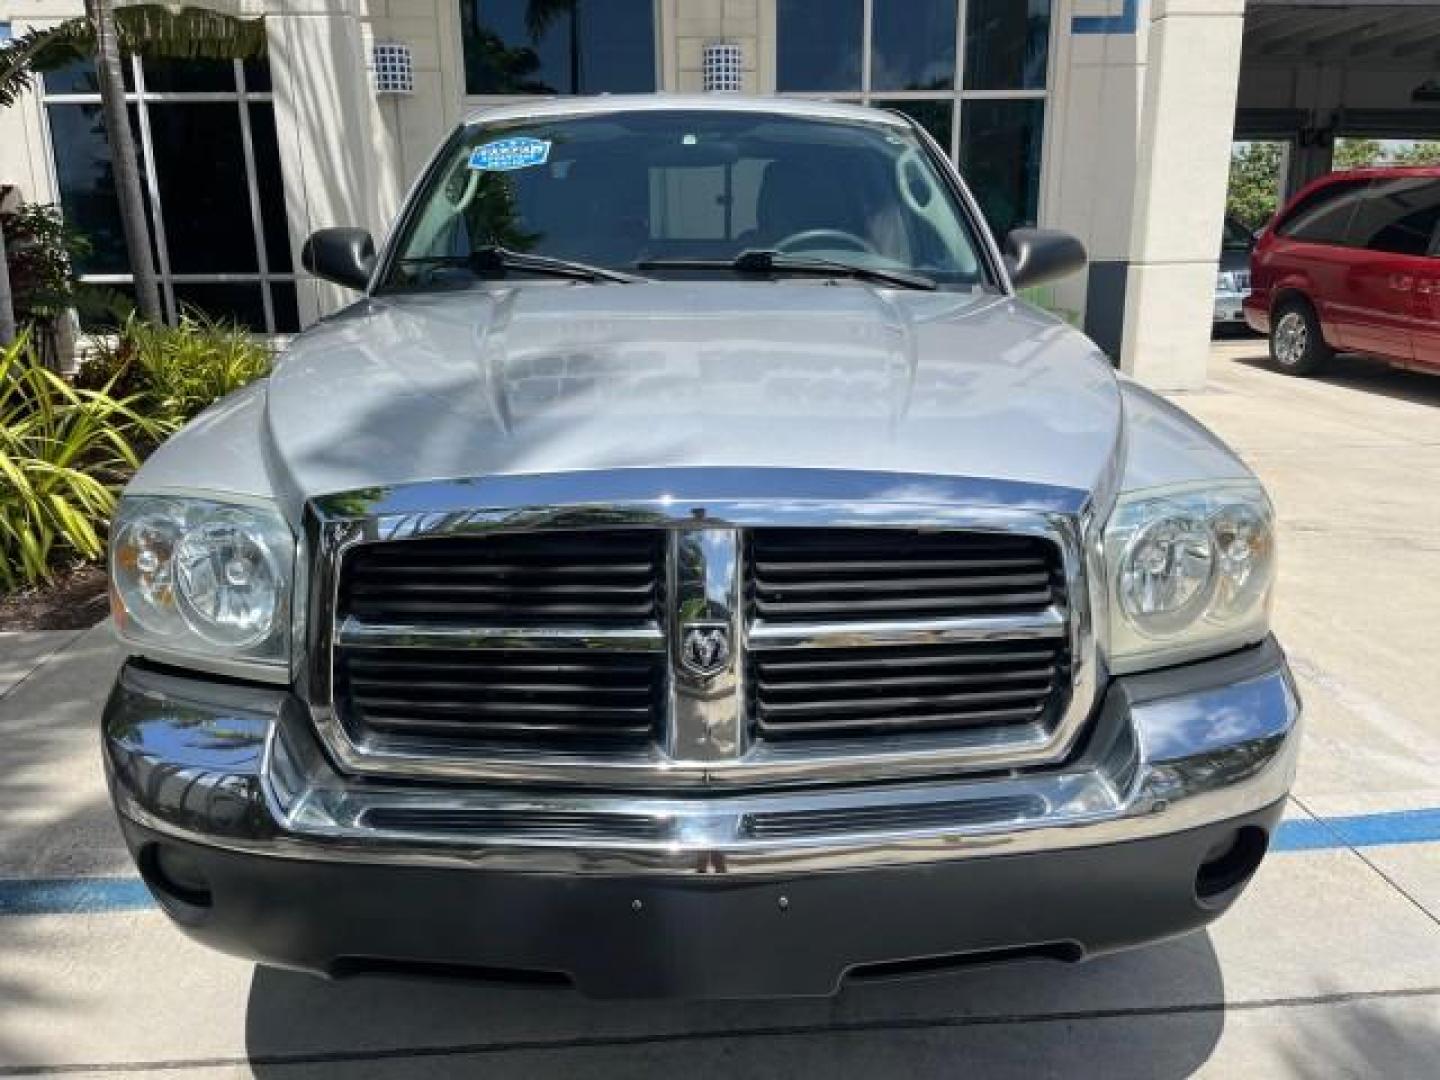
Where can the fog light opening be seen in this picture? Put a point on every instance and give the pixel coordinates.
(1230, 863)
(176, 879)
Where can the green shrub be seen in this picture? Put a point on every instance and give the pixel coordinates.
(40, 251)
(177, 370)
(64, 452)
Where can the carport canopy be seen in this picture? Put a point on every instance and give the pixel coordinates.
(1314, 71)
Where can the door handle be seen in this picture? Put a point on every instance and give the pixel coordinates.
(1401, 282)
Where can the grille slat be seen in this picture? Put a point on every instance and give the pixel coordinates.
(501, 732)
(853, 660)
(889, 723)
(899, 606)
(470, 707)
(808, 687)
(509, 589)
(526, 822)
(499, 613)
(588, 690)
(1030, 582)
(776, 711)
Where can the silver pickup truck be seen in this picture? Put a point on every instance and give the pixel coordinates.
(689, 569)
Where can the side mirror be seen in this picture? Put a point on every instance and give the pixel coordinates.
(344, 256)
(1035, 256)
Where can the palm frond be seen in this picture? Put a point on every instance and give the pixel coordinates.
(160, 31)
(188, 33)
(41, 50)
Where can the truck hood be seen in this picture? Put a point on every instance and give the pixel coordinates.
(547, 378)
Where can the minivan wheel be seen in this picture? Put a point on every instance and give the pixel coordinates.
(1297, 347)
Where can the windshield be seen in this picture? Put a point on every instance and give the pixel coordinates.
(635, 189)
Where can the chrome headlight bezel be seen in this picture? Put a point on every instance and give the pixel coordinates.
(157, 603)
(1226, 528)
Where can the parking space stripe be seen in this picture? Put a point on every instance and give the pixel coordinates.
(102, 895)
(73, 896)
(1359, 830)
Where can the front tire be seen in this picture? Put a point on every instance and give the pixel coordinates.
(1297, 345)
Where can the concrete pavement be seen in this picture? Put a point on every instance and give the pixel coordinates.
(1329, 966)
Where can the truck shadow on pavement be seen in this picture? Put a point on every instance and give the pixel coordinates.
(1154, 1013)
(1352, 372)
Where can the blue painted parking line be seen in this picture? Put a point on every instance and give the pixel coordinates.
(103, 895)
(1360, 830)
(73, 896)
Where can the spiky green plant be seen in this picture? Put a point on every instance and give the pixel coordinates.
(179, 370)
(63, 455)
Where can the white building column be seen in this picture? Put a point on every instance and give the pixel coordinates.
(326, 121)
(1186, 126)
(348, 155)
(1098, 83)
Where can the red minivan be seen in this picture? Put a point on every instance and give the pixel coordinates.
(1351, 264)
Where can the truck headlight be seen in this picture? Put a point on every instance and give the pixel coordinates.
(1190, 572)
(204, 579)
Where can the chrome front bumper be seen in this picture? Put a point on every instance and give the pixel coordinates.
(238, 768)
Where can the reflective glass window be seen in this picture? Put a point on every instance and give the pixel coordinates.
(86, 179)
(207, 210)
(818, 44)
(912, 45)
(1007, 44)
(272, 188)
(79, 77)
(1324, 215)
(579, 47)
(1398, 216)
(187, 76)
(1000, 144)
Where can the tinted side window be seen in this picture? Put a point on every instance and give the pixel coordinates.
(1323, 216)
(1398, 216)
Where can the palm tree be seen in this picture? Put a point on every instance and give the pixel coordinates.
(7, 302)
(122, 153)
(151, 30)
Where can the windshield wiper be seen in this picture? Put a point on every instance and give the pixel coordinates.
(763, 261)
(494, 259)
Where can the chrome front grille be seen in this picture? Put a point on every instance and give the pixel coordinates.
(829, 693)
(699, 645)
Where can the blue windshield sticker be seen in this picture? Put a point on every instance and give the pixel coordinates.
(506, 155)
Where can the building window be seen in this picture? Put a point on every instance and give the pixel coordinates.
(210, 166)
(564, 47)
(973, 73)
